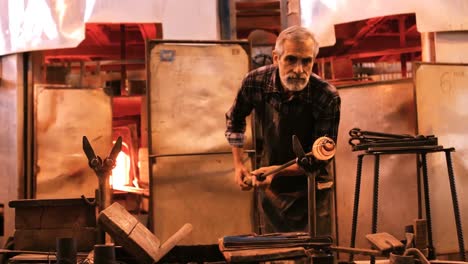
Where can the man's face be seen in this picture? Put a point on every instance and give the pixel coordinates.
(295, 64)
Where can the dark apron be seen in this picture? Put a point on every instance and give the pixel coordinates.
(284, 202)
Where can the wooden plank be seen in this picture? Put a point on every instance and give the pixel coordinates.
(144, 241)
(263, 5)
(173, 241)
(361, 251)
(48, 202)
(28, 219)
(267, 22)
(46, 257)
(33, 258)
(45, 239)
(264, 254)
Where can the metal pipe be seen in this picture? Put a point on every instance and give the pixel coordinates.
(250, 151)
(312, 212)
(427, 47)
(123, 56)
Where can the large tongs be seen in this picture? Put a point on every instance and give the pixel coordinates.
(103, 169)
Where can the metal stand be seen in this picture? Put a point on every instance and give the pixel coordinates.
(304, 163)
(421, 153)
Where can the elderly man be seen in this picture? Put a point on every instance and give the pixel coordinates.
(288, 99)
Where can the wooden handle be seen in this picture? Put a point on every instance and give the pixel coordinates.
(361, 251)
(172, 241)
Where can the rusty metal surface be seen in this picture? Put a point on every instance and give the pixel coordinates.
(442, 99)
(10, 135)
(191, 88)
(386, 107)
(62, 117)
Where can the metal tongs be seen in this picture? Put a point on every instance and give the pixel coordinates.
(103, 169)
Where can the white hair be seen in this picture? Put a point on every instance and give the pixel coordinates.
(297, 34)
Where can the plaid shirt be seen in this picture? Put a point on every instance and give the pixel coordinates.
(263, 86)
(308, 114)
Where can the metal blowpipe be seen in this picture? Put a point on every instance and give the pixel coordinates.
(322, 149)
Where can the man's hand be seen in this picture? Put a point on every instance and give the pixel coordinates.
(267, 181)
(240, 174)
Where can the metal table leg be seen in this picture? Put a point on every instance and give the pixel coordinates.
(357, 191)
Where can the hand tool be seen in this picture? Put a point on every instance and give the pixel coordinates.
(367, 140)
(324, 148)
(357, 132)
(103, 170)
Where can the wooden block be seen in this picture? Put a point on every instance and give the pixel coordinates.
(125, 229)
(54, 217)
(384, 241)
(264, 254)
(45, 239)
(28, 219)
(49, 214)
(128, 232)
(420, 234)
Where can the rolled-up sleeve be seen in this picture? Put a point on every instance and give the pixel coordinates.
(235, 117)
(331, 119)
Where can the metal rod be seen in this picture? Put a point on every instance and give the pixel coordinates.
(427, 205)
(375, 204)
(456, 209)
(357, 191)
(250, 151)
(287, 164)
(418, 184)
(9, 251)
(199, 41)
(312, 212)
(280, 168)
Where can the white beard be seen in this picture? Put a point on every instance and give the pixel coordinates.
(294, 85)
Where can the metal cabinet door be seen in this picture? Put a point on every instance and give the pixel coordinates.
(62, 116)
(191, 88)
